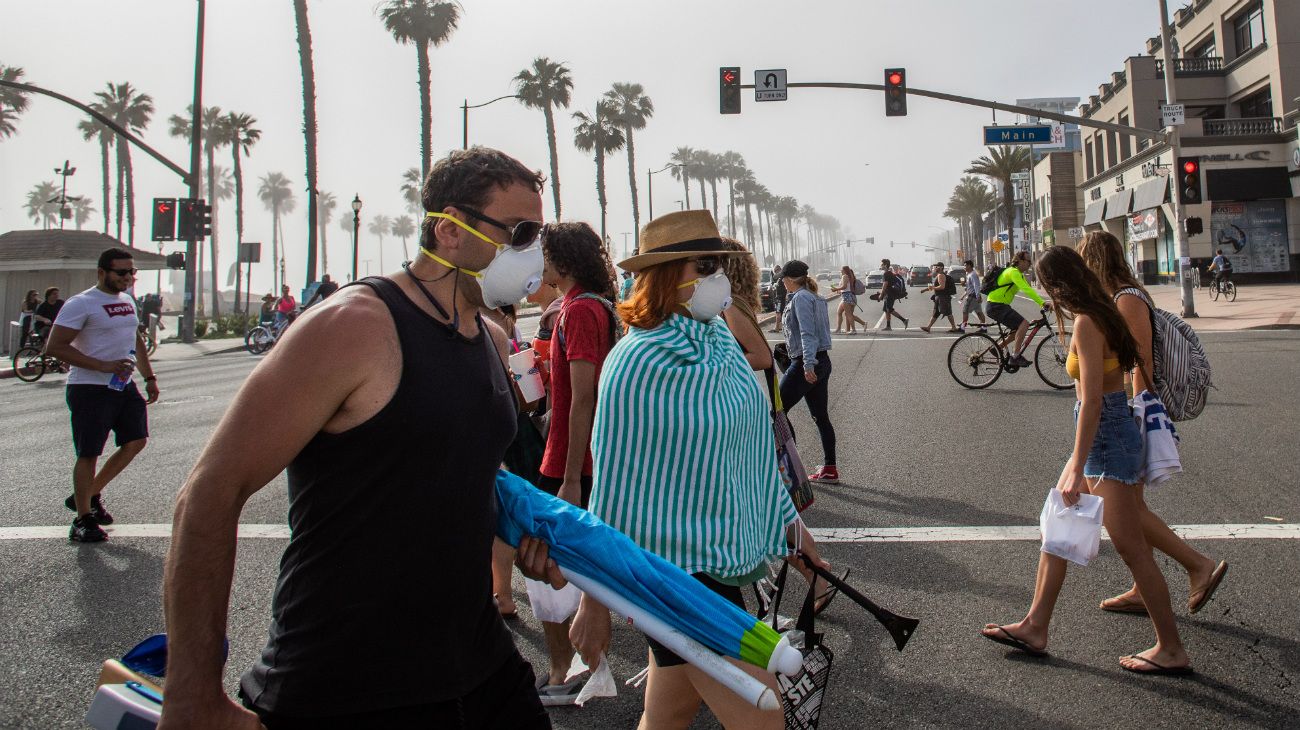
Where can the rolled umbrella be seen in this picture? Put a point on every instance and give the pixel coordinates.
(587, 548)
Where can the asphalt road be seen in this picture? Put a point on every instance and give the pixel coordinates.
(916, 450)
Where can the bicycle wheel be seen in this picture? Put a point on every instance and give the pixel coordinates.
(258, 340)
(29, 364)
(975, 361)
(1214, 292)
(1230, 291)
(150, 343)
(1049, 361)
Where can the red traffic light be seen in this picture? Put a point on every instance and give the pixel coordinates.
(729, 76)
(895, 78)
(1190, 166)
(164, 206)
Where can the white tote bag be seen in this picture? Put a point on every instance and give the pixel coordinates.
(1073, 533)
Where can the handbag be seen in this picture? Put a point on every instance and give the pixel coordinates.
(788, 463)
(1073, 533)
(803, 694)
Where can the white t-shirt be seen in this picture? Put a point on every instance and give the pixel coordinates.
(107, 324)
(973, 285)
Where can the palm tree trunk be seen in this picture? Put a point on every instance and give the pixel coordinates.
(275, 248)
(121, 183)
(103, 166)
(130, 199)
(731, 212)
(749, 229)
(324, 251)
(600, 190)
(210, 153)
(631, 179)
(308, 128)
(713, 183)
(686, 185)
(239, 217)
(426, 114)
(555, 163)
(704, 200)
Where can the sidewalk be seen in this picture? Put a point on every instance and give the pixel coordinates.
(175, 351)
(1258, 306)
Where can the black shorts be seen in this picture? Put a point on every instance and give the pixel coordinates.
(98, 409)
(889, 303)
(1004, 314)
(665, 657)
(942, 305)
(551, 485)
(507, 699)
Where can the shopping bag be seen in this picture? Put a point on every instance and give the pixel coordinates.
(1073, 533)
(803, 694)
(551, 605)
(793, 474)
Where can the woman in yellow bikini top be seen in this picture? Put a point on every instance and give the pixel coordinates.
(1110, 364)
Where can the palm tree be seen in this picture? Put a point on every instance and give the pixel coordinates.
(8, 117)
(131, 110)
(970, 200)
(379, 226)
(237, 130)
(631, 109)
(43, 204)
(999, 164)
(746, 185)
(682, 158)
(214, 134)
(598, 133)
(308, 128)
(709, 168)
(92, 128)
(699, 169)
(545, 86)
(412, 190)
(325, 205)
(403, 227)
(276, 194)
(12, 101)
(422, 23)
(732, 167)
(82, 209)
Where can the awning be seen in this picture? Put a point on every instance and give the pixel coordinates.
(1117, 205)
(1151, 194)
(1092, 214)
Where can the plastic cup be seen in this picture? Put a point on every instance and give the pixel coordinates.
(528, 378)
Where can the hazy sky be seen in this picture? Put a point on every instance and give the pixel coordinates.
(834, 149)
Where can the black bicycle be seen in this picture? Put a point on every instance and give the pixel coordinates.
(976, 360)
(1226, 288)
(30, 361)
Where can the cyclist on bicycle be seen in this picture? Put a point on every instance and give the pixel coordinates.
(1222, 269)
(1010, 282)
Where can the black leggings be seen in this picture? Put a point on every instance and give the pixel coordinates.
(794, 388)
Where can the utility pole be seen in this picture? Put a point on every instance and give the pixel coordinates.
(191, 245)
(1180, 215)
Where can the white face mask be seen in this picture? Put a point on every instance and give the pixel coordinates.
(513, 273)
(712, 296)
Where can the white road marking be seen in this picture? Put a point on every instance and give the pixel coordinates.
(991, 533)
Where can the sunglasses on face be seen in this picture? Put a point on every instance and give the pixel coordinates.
(522, 234)
(122, 272)
(706, 265)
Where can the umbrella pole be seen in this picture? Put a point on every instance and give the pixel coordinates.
(729, 675)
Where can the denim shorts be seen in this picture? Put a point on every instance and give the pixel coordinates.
(1117, 449)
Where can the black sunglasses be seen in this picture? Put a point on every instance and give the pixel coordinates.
(706, 265)
(122, 272)
(522, 234)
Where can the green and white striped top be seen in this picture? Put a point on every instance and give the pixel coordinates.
(683, 451)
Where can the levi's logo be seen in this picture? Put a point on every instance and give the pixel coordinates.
(120, 309)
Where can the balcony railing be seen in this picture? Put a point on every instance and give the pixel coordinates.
(1196, 65)
(1239, 127)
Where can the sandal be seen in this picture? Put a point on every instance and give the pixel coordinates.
(1198, 599)
(1160, 670)
(823, 601)
(507, 615)
(1013, 641)
(1122, 604)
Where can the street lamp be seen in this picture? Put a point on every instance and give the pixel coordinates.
(650, 184)
(464, 116)
(356, 229)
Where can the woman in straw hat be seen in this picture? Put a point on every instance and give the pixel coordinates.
(683, 456)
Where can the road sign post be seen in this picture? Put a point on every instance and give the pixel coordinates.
(769, 85)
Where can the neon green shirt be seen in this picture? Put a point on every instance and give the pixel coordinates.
(1011, 281)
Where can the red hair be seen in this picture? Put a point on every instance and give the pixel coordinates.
(654, 296)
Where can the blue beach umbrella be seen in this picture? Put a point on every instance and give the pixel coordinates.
(582, 544)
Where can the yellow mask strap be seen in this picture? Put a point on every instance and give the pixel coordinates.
(426, 252)
(692, 282)
(466, 226)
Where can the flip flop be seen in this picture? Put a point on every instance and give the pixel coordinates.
(1126, 605)
(1159, 671)
(829, 595)
(1013, 642)
(1197, 602)
(508, 616)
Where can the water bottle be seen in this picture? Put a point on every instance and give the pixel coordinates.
(119, 382)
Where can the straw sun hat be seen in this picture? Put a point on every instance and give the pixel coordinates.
(682, 235)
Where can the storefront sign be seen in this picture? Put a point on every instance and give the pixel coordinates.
(1257, 155)
(1144, 225)
(1252, 234)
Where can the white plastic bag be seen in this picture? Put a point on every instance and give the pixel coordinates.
(600, 684)
(551, 605)
(1073, 533)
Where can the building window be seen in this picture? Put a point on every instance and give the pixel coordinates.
(1111, 158)
(1259, 104)
(1205, 50)
(1125, 145)
(1087, 158)
(1216, 111)
(1248, 29)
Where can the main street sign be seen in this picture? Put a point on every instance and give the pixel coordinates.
(769, 85)
(1019, 134)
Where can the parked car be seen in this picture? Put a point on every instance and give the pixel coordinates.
(825, 276)
(957, 272)
(765, 289)
(875, 279)
(919, 276)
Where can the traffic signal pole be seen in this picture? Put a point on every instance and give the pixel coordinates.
(1180, 213)
(191, 245)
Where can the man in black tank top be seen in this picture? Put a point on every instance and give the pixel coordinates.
(382, 614)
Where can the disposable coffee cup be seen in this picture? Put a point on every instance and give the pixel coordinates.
(527, 376)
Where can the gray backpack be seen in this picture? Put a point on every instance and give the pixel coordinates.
(1181, 370)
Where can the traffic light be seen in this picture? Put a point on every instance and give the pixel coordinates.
(895, 92)
(1194, 226)
(205, 220)
(176, 260)
(194, 219)
(729, 89)
(1189, 180)
(164, 219)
